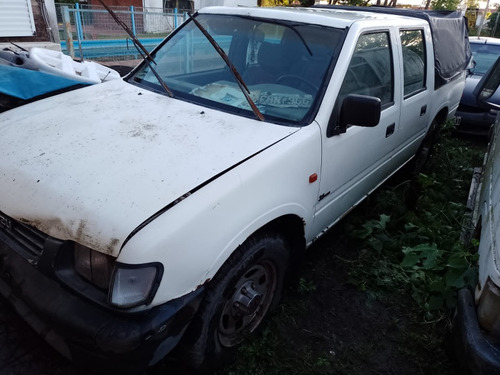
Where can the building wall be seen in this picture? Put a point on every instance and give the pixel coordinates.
(153, 4)
(46, 33)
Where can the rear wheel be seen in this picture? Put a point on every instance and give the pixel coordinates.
(425, 149)
(246, 288)
(416, 166)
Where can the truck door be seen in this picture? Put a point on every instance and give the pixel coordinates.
(415, 111)
(355, 162)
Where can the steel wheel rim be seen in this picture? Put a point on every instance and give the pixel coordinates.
(248, 304)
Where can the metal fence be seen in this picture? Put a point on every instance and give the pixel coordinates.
(92, 33)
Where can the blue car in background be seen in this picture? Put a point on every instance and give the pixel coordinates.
(472, 116)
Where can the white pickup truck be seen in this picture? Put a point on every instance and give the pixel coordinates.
(174, 203)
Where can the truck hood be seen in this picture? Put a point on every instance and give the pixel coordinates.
(92, 164)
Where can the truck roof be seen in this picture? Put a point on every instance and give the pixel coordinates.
(329, 16)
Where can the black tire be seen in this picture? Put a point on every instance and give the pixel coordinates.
(424, 151)
(247, 287)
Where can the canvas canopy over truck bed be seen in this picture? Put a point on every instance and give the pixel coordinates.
(450, 37)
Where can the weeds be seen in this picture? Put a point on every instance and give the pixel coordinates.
(420, 250)
(407, 259)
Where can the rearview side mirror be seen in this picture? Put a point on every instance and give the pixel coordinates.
(356, 110)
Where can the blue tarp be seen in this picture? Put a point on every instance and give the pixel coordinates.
(27, 84)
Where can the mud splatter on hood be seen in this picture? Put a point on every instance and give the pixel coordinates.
(92, 164)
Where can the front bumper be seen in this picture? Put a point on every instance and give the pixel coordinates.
(86, 332)
(473, 348)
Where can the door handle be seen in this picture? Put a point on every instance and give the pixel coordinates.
(423, 109)
(390, 130)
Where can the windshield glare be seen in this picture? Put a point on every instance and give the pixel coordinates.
(283, 65)
(484, 55)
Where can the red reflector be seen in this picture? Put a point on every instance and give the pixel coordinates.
(313, 178)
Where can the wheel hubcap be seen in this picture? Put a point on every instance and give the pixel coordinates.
(247, 300)
(246, 307)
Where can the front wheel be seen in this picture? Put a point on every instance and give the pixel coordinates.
(246, 288)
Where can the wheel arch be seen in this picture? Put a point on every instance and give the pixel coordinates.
(291, 227)
(441, 116)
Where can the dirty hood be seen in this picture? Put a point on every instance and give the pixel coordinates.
(92, 164)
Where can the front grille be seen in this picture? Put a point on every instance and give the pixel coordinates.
(28, 240)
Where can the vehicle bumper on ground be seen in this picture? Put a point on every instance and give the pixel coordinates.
(474, 123)
(474, 349)
(85, 332)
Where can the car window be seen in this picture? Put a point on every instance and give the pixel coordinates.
(412, 42)
(370, 71)
(283, 64)
(484, 55)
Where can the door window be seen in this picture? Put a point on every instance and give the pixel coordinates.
(370, 71)
(412, 42)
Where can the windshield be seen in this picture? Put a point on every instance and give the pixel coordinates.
(282, 64)
(484, 55)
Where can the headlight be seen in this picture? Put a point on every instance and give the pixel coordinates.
(489, 306)
(127, 285)
(135, 285)
(93, 266)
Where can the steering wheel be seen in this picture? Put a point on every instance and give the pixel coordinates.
(293, 78)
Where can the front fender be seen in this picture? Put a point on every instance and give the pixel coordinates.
(195, 237)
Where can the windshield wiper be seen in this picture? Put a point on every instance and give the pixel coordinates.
(233, 69)
(146, 56)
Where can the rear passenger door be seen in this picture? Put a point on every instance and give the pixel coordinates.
(355, 162)
(415, 116)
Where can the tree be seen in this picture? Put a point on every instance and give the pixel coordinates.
(472, 4)
(493, 24)
(272, 3)
(352, 2)
(444, 4)
(387, 3)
